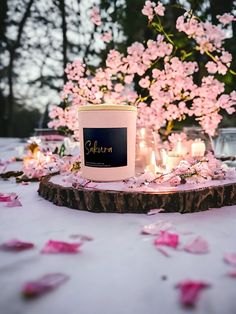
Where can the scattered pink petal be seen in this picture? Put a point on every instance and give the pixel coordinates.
(162, 251)
(55, 247)
(168, 239)
(16, 245)
(11, 200)
(230, 258)
(82, 237)
(155, 211)
(43, 285)
(5, 198)
(156, 228)
(232, 273)
(189, 291)
(14, 203)
(197, 246)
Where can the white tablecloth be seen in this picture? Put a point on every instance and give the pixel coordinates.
(120, 272)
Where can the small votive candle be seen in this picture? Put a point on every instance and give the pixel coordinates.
(180, 149)
(198, 148)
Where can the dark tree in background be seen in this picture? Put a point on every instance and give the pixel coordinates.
(38, 38)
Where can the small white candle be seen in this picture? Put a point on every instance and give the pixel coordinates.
(198, 149)
(180, 149)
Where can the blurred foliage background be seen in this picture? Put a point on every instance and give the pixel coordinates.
(38, 38)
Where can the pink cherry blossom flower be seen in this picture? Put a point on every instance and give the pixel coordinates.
(197, 246)
(148, 9)
(211, 67)
(95, 16)
(44, 284)
(159, 9)
(226, 18)
(144, 82)
(190, 290)
(16, 245)
(170, 92)
(107, 37)
(226, 57)
(168, 239)
(57, 247)
(175, 180)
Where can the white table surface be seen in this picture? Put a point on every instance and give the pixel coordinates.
(120, 272)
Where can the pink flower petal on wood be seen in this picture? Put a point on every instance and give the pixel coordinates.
(197, 246)
(155, 211)
(156, 228)
(16, 245)
(168, 239)
(230, 258)
(190, 290)
(43, 285)
(56, 247)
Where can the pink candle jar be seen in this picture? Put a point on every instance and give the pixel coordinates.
(107, 141)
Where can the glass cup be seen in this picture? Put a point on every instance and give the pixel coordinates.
(197, 133)
(225, 145)
(144, 149)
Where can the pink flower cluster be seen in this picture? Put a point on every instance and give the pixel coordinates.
(95, 16)
(151, 8)
(199, 170)
(169, 91)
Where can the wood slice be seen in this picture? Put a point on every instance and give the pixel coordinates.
(184, 201)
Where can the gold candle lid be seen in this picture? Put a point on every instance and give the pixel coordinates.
(107, 107)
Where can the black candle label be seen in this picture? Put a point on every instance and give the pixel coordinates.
(105, 147)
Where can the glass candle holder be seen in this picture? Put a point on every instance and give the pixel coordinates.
(197, 134)
(144, 149)
(225, 145)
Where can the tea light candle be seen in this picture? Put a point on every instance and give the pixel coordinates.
(180, 149)
(198, 148)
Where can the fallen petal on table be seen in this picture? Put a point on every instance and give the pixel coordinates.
(230, 258)
(16, 245)
(197, 246)
(168, 239)
(190, 291)
(43, 285)
(57, 247)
